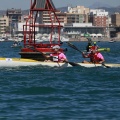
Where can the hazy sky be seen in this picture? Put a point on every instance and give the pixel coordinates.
(24, 4)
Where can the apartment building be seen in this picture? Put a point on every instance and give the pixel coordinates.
(61, 17)
(78, 14)
(4, 23)
(99, 17)
(79, 9)
(14, 15)
(99, 21)
(76, 18)
(115, 19)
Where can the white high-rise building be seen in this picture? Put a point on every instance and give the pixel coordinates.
(78, 9)
(98, 12)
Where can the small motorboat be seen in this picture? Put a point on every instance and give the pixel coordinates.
(111, 41)
(16, 45)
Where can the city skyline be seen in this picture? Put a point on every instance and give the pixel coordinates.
(25, 4)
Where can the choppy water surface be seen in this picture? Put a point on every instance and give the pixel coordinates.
(78, 93)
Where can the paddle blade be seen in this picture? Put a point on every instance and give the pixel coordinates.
(104, 49)
(103, 64)
(72, 63)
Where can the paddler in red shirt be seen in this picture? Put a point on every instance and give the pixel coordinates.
(95, 57)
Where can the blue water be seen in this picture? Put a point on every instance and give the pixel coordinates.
(45, 93)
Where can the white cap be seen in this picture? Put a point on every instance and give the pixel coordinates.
(56, 46)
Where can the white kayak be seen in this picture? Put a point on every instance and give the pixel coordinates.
(106, 65)
(13, 62)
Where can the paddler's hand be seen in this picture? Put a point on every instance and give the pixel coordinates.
(101, 62)
(65, 60)
(83, 52)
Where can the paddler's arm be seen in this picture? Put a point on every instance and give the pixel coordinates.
(47, 57)
(64, 60)
(101, 58)
(102, 61)
(84, 55)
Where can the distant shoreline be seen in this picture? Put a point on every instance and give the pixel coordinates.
(95, 39)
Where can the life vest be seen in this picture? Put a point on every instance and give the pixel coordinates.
(94, 48)
(55, 57)
(94, 58)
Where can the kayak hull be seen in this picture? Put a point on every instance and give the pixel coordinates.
(13, 62)
(106, 65)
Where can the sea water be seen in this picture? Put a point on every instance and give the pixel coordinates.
(50, 93)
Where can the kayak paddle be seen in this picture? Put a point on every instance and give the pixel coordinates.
(73, 46)
(105, 65)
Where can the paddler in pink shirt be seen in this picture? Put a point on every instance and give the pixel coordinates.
(57, 55)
